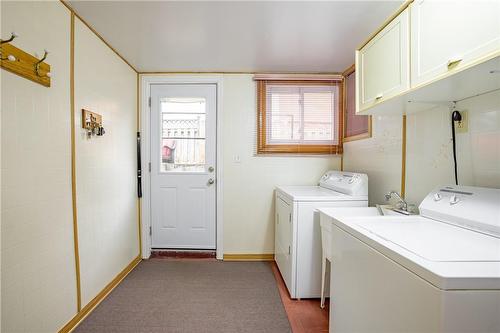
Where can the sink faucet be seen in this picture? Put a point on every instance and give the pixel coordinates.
(401, 201)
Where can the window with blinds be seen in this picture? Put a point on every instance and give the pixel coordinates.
(299, 116)
(355, 127)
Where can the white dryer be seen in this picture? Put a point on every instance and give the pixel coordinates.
(297, 229)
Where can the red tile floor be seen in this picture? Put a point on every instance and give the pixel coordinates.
(305, 316)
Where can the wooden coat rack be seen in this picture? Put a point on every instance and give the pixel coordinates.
(17, 61)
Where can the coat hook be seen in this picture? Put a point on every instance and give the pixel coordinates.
(10, 57)
(13, 35)
(37, 65)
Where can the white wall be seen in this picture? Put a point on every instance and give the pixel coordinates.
(38, 278)
(38, 265)
(379, 156)
(249, 184)
(105, 166)
(429, 158)
(429, 148)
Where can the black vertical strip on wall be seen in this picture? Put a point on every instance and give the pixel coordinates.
(139, 170)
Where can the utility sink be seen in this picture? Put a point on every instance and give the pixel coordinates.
(379, 210)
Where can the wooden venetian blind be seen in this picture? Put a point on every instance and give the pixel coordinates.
(299, 116)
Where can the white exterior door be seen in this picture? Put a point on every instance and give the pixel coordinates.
(183, 156)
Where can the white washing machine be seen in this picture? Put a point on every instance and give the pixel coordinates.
(435, 272)
(297, 229)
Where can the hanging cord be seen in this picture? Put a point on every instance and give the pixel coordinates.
(455, 116)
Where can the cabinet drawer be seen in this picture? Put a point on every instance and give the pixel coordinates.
(446, 36)
(382, 65)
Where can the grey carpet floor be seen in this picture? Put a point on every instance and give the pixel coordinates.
(192, 296)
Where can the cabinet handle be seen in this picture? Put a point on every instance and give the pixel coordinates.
(379, 96)
(454, 61)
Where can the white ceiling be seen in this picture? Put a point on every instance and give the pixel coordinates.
(236, 36)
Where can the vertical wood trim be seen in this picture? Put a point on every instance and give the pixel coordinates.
(343, 111)
(138, 128)
(261, 115)
(340, 136)
(403, 158)
(73, 163)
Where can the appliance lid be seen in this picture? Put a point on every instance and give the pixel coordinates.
(435, 241)
(475, 208)
(349, 183)
(315, 193)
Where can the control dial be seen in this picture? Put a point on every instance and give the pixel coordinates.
(454, 199)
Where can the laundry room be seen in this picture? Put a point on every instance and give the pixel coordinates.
(250, 166)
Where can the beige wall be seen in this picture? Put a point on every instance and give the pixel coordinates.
(249, 184)
(429, 158)
(38, 265)
(105, 166)
(38, 278)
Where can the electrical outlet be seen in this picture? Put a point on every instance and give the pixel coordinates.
(463, 125)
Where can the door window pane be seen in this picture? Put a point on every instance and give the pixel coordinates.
(183, 134)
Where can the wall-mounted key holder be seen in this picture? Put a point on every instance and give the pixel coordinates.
(17, 61)
(92, 123)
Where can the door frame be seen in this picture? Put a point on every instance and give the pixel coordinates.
(146, 81)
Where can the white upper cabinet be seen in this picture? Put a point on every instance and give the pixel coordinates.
(382, 65)
(449, 35)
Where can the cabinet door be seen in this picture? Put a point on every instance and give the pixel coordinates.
(283, 240)
(382, 65)
(447, 35)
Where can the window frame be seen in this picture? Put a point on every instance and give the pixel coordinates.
(263, 147)
(360, 136)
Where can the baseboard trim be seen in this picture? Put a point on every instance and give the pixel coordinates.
(249, 257)
(87, 309)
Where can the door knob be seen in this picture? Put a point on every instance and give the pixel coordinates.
(211, 169)
(211, 181)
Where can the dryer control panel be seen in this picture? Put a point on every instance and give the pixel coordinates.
(350, 183)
